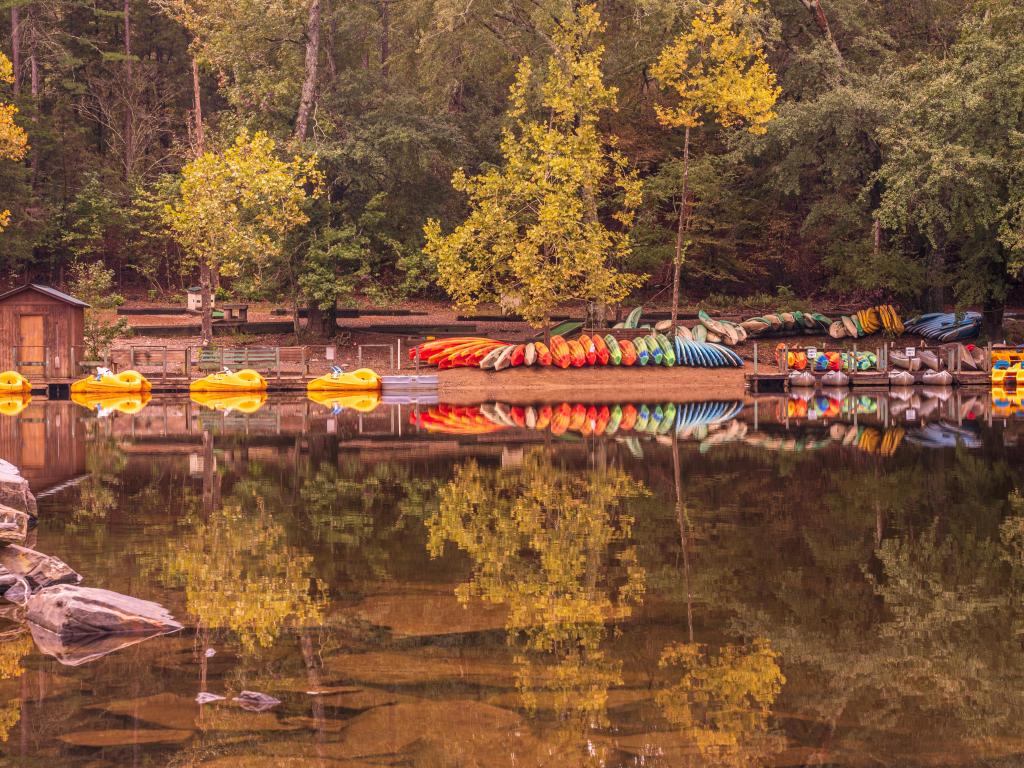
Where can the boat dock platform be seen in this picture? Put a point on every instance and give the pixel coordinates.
(773, 381)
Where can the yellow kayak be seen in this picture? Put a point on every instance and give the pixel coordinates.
(105, 382)
(12, 405)
(246, 380)
(362, 380)
(131, 402)
(364, 403)
(247, 402)
(12, 382)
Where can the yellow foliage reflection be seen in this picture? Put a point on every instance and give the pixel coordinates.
(12, 651)
(240, 573)
(551, 544)
(723, 700)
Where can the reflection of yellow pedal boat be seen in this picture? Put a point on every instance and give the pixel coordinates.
(246, 380)
(243, 402)
(362, 380)
(12, 405)
(1007, 375)
(1007, 404)
(13, 383)
(363, 402)
(103, 404)
(105, 382)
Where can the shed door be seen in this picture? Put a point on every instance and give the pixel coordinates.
(31, 356)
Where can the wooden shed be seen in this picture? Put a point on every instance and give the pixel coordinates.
(41, 331)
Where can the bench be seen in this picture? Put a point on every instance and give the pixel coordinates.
(234, 313)
(256, 358)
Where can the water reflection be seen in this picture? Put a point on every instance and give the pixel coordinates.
(644, 596)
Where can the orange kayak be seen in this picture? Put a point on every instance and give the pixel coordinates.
(628, 352)
(589, 349)
(543, 353)
(560, 352)
(576, 354)
(629, 414)
(601, 348)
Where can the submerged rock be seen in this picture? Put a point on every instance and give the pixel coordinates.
(13, 587)
(37, 569)
(73, 612)
(83, 650)
(255, 701)
(205, 697)
(13, 525)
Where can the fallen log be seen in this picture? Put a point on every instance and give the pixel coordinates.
(73, 612)
(39, 570)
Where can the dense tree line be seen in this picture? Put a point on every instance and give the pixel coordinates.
(892, 162)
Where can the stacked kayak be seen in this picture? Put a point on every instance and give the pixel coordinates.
(107, 382)
(946, 326)
(786, 323)
(13, 383)
(458, 352)
(246, 380)
(362, 380)
(867, 321)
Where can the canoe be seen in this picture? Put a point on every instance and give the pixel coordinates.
(614, 350)
(543, 353)
(106, 381)
(629, 353)
(643, 355)
(560, 352)
(684, 332)
(700, 333)
(530, 354)
(849, 326)
(223, 400)
(710, 323)
(361, 380)
(576, 354)
(668, 351)
(246, 380)
(504, 359)
(601, 348)
(488, 360)
(13, 383)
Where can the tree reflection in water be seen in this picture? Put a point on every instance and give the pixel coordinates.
(552, 544)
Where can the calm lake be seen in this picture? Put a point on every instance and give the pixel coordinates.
(832, 581)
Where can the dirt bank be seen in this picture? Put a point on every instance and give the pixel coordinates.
(608, 385)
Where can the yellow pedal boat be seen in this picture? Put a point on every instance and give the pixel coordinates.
(246, 402)
(363, 380)
(246, 380)
(12, 404)
(13, 383)
(106, 382)
(103, 404)
(338, 401)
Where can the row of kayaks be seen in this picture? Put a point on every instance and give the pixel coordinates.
(654, 349)
(576, 419)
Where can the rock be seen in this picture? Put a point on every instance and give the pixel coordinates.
(255, 701)
(125, 737)
(13, 525)
(203, 697)
(15, 491)
(73, 612)
(37, 569)
(13, 587)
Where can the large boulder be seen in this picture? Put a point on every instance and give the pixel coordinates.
(73, 612)
(37, 569)
(13, 525)
(14, 489)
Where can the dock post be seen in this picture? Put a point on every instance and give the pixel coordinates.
(399, 343)
(755, 358)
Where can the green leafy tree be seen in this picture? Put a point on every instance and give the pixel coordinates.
(94, 284)
(535, 236)
(716, 66)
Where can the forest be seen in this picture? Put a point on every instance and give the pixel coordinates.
(322, 150)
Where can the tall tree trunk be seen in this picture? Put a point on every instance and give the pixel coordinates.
(129, 138)
(818, 14)
(384, 9)
(309, 79)
(205, 280)
(16, 47)
(677, 475)
(207, 301)
(197, 108)
(681, 224)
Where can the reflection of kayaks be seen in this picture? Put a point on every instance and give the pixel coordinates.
(244, 402)
(12, 382)
(131, 402)
(246, 380)
(362, 380)
(111, 383)
(363, 402)
(12, 405)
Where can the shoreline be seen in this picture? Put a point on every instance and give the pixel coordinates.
(524, 386)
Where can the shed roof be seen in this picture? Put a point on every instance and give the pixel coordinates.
(46, 290)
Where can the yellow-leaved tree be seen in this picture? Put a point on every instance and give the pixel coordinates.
(13, 140)
(237, 206)
(716, 66)
(536, 235)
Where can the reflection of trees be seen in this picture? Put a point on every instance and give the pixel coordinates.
(105, 462)
(240, 573)
(13, 648)
(553, 545)
(723, 699)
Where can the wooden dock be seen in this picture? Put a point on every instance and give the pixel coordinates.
(766, 382)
